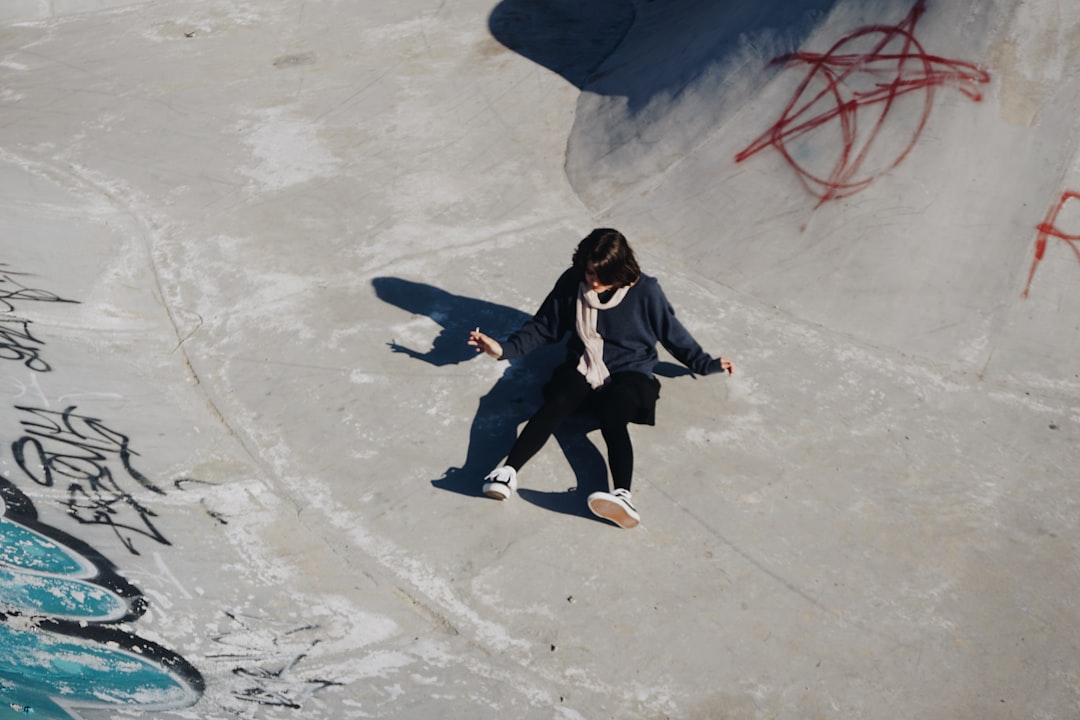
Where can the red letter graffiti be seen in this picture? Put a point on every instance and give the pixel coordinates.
(1048, 229)
(871, 72)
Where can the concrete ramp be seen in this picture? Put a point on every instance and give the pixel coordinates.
(242, 436)
(899, 176)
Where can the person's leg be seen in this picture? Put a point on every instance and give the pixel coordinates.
(563, 395)
(629, 397)
(566, 390)
(620, 403)
(616, 410)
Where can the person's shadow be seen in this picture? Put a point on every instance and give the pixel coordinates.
(513, 399)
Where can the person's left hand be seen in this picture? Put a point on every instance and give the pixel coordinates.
(727, 365)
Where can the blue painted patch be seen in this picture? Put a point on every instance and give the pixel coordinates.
(30, 550)
(41, 670)
(39, 576)
(58, 597)
(56, 648)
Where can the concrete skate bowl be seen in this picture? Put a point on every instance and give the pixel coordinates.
(244, 242)
(898, 171)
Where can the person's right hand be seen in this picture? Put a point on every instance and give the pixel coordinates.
(485, 344)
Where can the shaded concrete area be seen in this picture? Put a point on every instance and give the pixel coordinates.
(243, 437)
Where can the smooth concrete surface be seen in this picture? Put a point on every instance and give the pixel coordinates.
(244, 243)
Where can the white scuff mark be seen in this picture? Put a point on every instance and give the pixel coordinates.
(338, 335)
(379, 664)
(81, 396)
(215, 19)
(251, 508)
(419, 331)
(438, 655)
(1025, 401)
(485, 590)
(288, 150)
(429, 581)
(362, 628)
(23, 389)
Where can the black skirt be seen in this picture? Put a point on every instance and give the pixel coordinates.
(642, 390)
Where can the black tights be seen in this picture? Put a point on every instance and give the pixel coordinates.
(617, 404)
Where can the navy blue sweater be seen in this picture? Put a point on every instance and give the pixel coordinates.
(630, 330)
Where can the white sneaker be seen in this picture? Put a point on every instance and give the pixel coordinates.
(501, 483)
(616, 507)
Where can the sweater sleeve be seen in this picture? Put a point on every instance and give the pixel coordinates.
(550, 323)
(678, 341)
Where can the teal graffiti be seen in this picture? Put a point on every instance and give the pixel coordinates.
(60, 652)
(47, 674)
(41, 577)
(29, 550)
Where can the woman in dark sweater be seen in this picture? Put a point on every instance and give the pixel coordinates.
(615, 316)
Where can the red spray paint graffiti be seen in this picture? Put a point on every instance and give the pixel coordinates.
(1048, 229)
(852, 90)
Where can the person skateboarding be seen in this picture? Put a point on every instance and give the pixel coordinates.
(615, 315)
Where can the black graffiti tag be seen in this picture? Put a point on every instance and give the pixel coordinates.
(270, 653)
(17, 343)
(66, 447)
(13, 291)
(275, 687)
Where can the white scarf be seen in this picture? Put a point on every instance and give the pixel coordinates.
(587, 312)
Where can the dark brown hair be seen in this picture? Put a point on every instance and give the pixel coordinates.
(610, 253)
